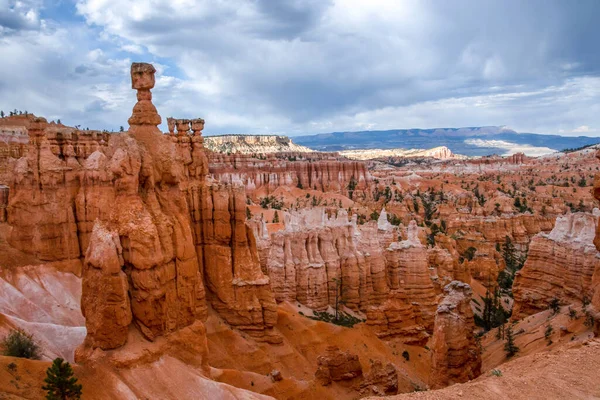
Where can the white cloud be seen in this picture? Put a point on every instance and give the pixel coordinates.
(132, 48)
(511, 148)
(307, 66)
(582, 130)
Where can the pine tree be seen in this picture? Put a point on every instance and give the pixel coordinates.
(248, 213)
(500, 332)
(121, 129)
(554, 305)
(276, 218)
(508, 253)
(548, 334)
(518, 203)
(510, 347)
(1, 114)
(493, 312)
(60, 382)
(337, 283)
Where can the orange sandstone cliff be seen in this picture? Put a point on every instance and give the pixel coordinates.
(559, 265)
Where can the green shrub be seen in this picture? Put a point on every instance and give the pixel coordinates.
(19, 343)
(554, 305)
(589, 319)
(343, 319)
(406, 355)
(573, 314)
(470, 253)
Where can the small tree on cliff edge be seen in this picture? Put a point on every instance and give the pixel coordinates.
(337, 282)
(510, 347)
(60, 382)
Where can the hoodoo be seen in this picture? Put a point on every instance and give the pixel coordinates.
(455, 355)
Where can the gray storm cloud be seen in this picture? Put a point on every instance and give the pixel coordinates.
(313, 66)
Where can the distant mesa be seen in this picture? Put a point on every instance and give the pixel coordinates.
(440, 153)
(252, 144)
(470, 141)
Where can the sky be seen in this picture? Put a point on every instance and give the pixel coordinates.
(308, 66)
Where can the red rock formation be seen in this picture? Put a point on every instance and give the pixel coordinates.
(336, 365)
(240, 292)
(304, 260)
(594, 307)
(142, 80)
(559, 264)
(4, 190)
(326, 172)
(315, 256)
(520, 228)
(40, 207)
(105, 300)
(444, 260)
(161, 228)
(381, 380)
(409, 310)
(455, 356)
(13, 141)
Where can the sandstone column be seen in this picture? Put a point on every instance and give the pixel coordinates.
(455, 354)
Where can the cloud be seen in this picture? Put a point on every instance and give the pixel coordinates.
(307, 66)
(583, 130)
(18, 15)
(511, 148)
(54, 71)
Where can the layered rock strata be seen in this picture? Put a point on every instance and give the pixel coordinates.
(559, 265)
(326, 172)
(381, 380)
(317, 258)
(409, 309)
(336, 365)
(594, 307)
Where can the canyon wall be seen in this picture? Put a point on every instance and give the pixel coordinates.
(559, 265)
(317, 258)
(594, 307)
(325, 172)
